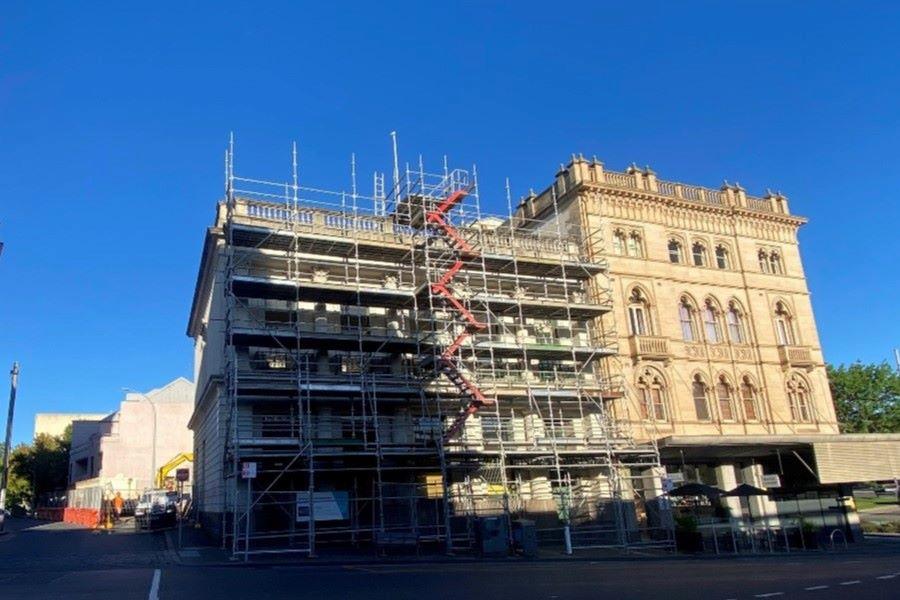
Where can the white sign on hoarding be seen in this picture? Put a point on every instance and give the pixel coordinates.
(329, 506)
(248, 470)
(771, 481)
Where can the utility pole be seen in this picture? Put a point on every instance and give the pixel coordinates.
(13, 385)
(897, 357)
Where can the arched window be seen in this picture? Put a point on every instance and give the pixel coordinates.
(701, 401)
(619, 242)
(784, 326)
(711, 325)
(775, 263)
(634, 245)
(687, 317)
(748, 400)
(735, 321)
(799, 399)
(722, 257)
(639, 313)
(763, 261)
(675, 251)
(652, 395)
(698, 251)
(723, 396)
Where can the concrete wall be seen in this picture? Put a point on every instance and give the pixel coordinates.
(122, 447)
(55, 423)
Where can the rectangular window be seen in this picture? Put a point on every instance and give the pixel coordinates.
(735, 332)
(749, 401)
(726, 411)
(687, 324)
(645, 403)
(700, 404)
(659, 407)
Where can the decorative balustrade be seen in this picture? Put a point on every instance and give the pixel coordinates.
(650, 347)
(796, 356)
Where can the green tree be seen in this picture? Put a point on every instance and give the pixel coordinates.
(38, 468)
(867, 397)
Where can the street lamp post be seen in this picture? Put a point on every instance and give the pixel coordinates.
(153, 449)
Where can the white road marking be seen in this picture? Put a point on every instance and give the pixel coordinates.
(813, 588)
(154, 586)
(853, 582)
(769, 595)
(887, 576)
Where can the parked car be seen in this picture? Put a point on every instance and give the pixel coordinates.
(156, 509)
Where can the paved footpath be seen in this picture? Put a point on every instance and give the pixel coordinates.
(58, 561)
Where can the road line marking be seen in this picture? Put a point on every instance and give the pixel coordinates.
(813, 588)
(886, 577)
(769, 595)
(154, 586)
(853, 582)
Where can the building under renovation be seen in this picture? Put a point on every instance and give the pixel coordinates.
(397, 369)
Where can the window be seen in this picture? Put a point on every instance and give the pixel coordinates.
(638, 314)
(675, 255)
(698, 251)
(799, 399)
(723, 395)
(652, 395)
(763, 261)
(688, 323)
(748, 400)
(619, 242)
(722, 257)
(701, 405)
(711, 324)
(775, 263)
(784, 327)
(634, 245)
(735, 324)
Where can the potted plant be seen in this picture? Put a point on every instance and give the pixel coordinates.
(687, 536)
(810, 534)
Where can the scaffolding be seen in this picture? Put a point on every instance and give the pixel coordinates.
(399, 365)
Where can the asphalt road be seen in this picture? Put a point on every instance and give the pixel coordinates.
(57, 562)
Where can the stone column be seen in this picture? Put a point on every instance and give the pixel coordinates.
(659, 510)
(727, 481)
(761, 507)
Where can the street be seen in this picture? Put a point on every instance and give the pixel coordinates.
(59, 561)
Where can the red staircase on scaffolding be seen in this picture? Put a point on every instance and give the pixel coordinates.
(463, 253)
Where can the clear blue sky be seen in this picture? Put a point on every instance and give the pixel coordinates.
(113, 123)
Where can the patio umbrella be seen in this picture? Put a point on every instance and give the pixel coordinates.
(697, 489)
(744, 490)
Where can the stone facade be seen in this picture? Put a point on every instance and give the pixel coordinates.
(713, 314)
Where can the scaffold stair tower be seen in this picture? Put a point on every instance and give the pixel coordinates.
(462, 252)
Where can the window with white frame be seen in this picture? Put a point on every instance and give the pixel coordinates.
(639, 313)
(687, 317)
(634, 245)
(735, 321)
(775, 265)
(784, 325)
(698, 251)
(676, 254)
(799, 399)
(722, 259)
(711, 325)
(763, 261)
(652, 395)
(618, 242)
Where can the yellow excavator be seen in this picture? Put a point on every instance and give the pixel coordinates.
(167, 468)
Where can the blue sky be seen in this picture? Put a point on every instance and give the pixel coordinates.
(113, 122)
